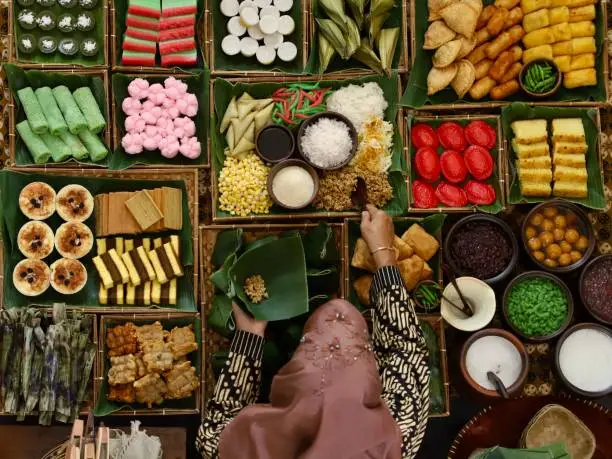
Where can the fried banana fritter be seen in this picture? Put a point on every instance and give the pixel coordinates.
(182, 341)
(150, 389)
(121, 340)
(181, 381)
(123, 370)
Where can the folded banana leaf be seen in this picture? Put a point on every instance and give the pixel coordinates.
(228, 242)
(221, 279)
(220, 317)
(282, 265)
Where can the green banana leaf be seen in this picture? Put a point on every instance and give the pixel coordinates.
(436, 387)
(223, 91)
(221, 279)
(220, 318)
(320, 246)
(494, 180)
(121, 8)
(416, 91)
(338, 64)
(19, 78)
(104, 407)
(223, 62)
(553, 451)
(282, 265)
(58, 58)
(228, 243)
(261, 242)
(432, 224)
(518, 111)
(196, 84)
(11, 184)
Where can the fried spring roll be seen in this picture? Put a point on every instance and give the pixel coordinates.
(486, 14)
(514, 17)
(482, 68)
(504, 41)
(505, 90)
(512, 73)
(482, 87)
(497, 21)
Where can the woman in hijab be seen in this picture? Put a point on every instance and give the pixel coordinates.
(344, 394)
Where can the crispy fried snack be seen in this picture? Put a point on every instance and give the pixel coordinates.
(141, 368)
(150, 389)
(181, 381)
(182, 341)
(122, 393)
(158, 361)
(150, 336)
(121, 340)
(123, 370)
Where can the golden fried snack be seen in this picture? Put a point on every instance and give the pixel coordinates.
(121, 340)
(482, 87)
(539, 52)
(579, 78)
(583, 13)
(562, 48)
(486, 14)
(562, 32)
(362, 258)
(181, 381)
(564, 63)
(150, 389)
(478, 54)
(158, 361)
(497, 22)
(515, 17)
(123, 393)
(505, 90)
(182, 341)
(536, 20)
(411, 270)
(482, 68)
(557, 3)
(539, 37)
(501, 65)
(141, 368)
(463, 81)
(533, 5)
(508, 4)
(583, 45)
(582, 29)
(151, 337)
(467, 45)
(558, 15)
(512, 73)
(577, 3)
(504, 41)
(362, 288)
(583, 61)
(482, 36)
(123, 370)
(517, 52)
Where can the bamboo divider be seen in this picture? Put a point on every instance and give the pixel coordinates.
(141, 319)
(190, 177)
(287, 216)
(84, 410)
(209, 31)
(603, 10)
(106, 133)
(115, 49)
(212, 341)
(117, 130)
(502, 160)
(12, 47)
(510, 174)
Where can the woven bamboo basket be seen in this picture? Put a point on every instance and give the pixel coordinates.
(190, 177)
(509, 156)
(106, 133)
(502, 160)
(348, 255)
(12, 57)
(115, 47)
(141, 319)
(84, 410)
(404, 60)
(116, 137)
(209, 47)
(277, 217)
(212, 341)
(490, 104)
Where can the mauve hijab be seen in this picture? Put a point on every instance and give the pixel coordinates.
(325, 403)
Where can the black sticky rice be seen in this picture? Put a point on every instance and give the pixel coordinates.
(481, 250)
(597, 289)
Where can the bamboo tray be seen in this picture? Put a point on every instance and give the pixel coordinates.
(141, 319)
(502, 160)
(106, 134)
(190, 177)
(212, 341)
(84, 410)
(210, 52)
(285, 216)
(12, 50)
(115, 47)
(603, 11)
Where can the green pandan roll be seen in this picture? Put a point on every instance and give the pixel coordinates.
(55, 120)
(39, 151)
(89, 107)
(59, 150)
(97, 149)
(77, 149)
(72, 114)
(33, 110)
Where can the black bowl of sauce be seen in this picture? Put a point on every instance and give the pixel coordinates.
(274, 143)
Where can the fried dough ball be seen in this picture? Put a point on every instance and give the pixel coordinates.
(572, 236)
(576, 256)
(547, 225)
(547, 238)
(550, 212)
(539, 255)
(553, 251)
(582, 243)
(566, 247)
(558, 234)
(536, 219)
(565, 259)
(560, 221)
(534, 243)
(550, 263)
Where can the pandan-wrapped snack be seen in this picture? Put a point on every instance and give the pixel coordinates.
(68, 46)
(47, 44)
(89, 47)
(27, 19)
(66, 23)
(27, 43)
(46, 20)
(85, 21)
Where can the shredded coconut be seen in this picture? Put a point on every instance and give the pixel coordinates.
(358, 103)
(89, 45)
(327, 143)
(44, 20)
(47, 44)
(26, 42)
(68, 46)
(65, 22)
(27, 17)
(83, 21)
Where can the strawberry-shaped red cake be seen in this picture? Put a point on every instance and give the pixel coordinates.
(451, 136)
(479, 162)
(453, 167)
(423, 195)
(423, 135)
(479, 193)
(427, 164)
(451, 195)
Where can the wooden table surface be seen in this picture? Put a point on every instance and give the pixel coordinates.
(31, 442)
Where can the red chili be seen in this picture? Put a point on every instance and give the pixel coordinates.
(311, 96)
(286, 119)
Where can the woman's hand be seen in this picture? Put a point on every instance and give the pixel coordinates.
(378, 231)
(247, 323)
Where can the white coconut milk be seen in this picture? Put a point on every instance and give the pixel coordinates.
(496, 354)
(585, 359)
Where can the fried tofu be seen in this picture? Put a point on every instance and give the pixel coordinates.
(411, 270)
(423, 243)
(362, 288)
(403, 249)
(530, 131)
(362, 258)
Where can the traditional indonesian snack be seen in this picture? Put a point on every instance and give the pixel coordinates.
(554, 237)
(459, 175)
(73, 240)
(536, 170)
(596, 287)
(263, 30)
(74, 203)
(157, 370)
(358, 102)
(68, 276)
(35, 240)
(37, 201)
(60, 124)
(169, 26)
(298, 101)
(413, 250)
(255, 288)
(31, 277)
(163, 121)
